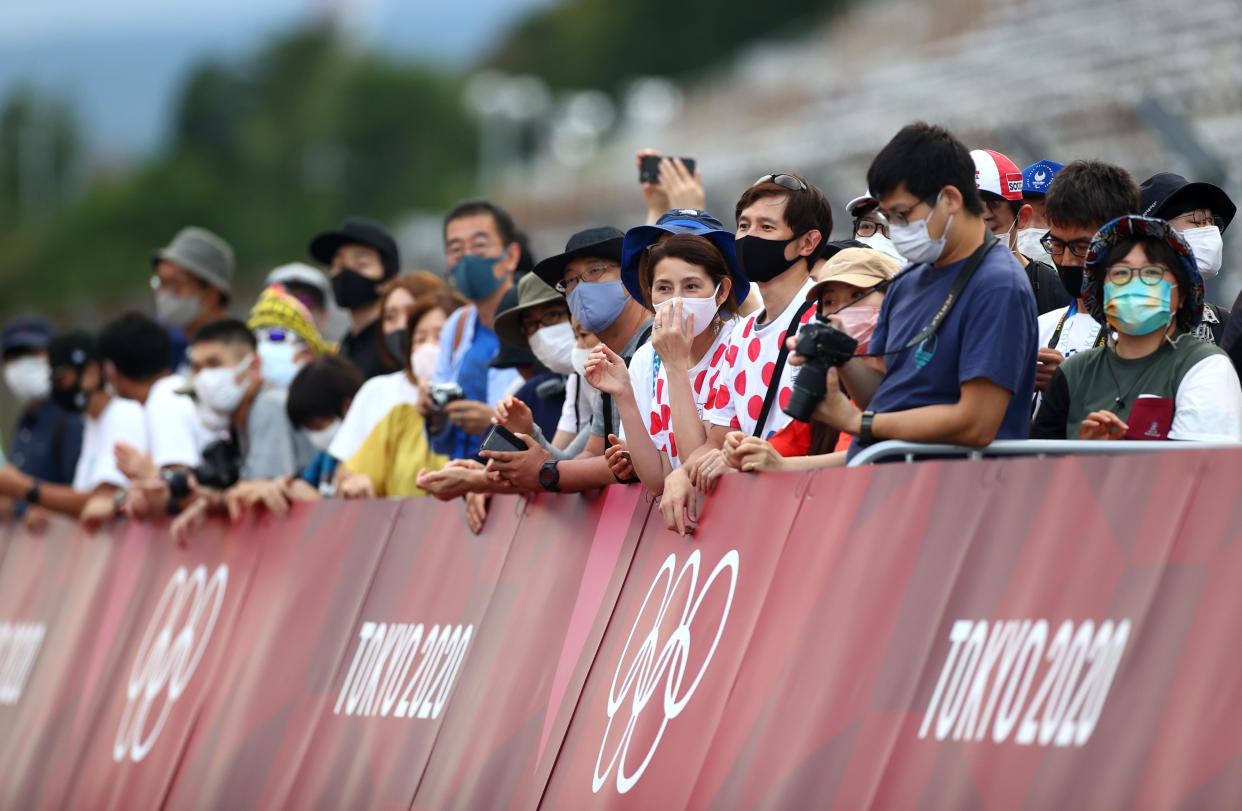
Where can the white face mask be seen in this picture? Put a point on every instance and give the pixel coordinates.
(222, 389)
(915, 243)
(553, 347)
(1208, 246)
(578, 359)
(423, 360)
(1029, 245)
(703, 309)
(277, 361)
(882, 244)
(1006, 236)
(322, 438)
(29, 378)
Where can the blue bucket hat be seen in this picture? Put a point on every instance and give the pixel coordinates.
(680, 221)
(1128, 227)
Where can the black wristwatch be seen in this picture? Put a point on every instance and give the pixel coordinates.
(864, 429)
(32, 495)
(550, 477)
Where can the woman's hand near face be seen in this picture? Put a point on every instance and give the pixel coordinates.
(672, 333)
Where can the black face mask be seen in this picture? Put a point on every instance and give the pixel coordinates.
(353, 290)
(1071, 280)
(762, 260)
(394, 342)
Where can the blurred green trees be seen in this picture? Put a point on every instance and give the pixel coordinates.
(266, 152)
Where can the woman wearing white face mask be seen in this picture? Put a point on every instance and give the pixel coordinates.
(670, 381)
(380, 395)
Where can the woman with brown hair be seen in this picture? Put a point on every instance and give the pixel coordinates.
(687, 282)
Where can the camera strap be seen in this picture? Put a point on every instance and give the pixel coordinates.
(774, 384)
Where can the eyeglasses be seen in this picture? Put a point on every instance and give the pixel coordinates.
(903, 217)
(1056, 247)
(179, 288)
(590, 276)
(1198, 218)
(550, 319)
(784, 181)
(1148, 274)
(869, 228)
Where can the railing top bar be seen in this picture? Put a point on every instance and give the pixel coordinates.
(1023, 447)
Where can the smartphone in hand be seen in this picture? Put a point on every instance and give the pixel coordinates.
(649, 168)
(500, 438)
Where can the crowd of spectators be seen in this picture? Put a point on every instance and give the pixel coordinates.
(971, 301)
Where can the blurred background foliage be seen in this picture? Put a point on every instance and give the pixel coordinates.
(270, 147)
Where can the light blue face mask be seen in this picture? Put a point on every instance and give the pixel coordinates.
(1136, 308)
(475, 276)
(597, 305)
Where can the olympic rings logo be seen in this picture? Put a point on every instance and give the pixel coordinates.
(169, 654)
(646, 668)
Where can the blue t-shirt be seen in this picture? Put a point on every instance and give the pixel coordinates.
(990, 332)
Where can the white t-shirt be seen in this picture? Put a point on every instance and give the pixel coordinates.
(652, 393)
(121, 421)
(1078, 335)
(750, 358)
(176, 433)
(1209, 402)
(586, 396)
(374, 400)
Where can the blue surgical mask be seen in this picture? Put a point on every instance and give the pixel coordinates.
(1136, 308)
(597, 305)
(474, 276)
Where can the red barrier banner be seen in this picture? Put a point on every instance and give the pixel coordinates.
(996, 633)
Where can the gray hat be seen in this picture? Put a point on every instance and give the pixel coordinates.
(201, 253)
(532, 291)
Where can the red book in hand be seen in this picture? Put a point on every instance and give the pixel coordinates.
(1150, 418)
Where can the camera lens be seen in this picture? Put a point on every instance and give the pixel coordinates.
(809, 387)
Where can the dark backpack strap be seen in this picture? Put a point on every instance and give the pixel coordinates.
(774, 384)
(607, 398)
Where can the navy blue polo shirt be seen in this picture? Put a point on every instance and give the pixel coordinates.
(46, 442)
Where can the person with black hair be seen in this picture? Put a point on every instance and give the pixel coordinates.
(318, 399)
(79, 386)
(1153, 381)
(360, 256)
(962, 373)
(1082, 197)
(481, 251)
(232, 397)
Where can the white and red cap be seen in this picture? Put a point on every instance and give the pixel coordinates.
(997, 174)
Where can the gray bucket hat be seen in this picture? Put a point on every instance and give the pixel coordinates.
(201, 253)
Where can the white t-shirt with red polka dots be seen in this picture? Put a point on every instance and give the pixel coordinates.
(749, 362)
(652, 394)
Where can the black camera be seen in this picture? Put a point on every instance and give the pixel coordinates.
(220, 469)
(823, 347)
(444, 393)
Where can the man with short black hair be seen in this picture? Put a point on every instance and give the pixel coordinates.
(783, 227)
(232, 396)
(360, 256)
(481, 251)
(1081, 199)
(960, 374)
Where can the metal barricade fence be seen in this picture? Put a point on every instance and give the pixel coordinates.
(912, 451)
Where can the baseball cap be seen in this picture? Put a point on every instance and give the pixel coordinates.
(358, 231)
(861, 205)
(1037, 177)
(25, 332)
(74, 348)
(996, 174)
(303, 274)
(1166, 195)
(201, 253)
(860, 267)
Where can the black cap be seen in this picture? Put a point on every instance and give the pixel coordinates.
(74, 348)
(834, 248)
(601, 242)
(25, 332)
(358, 231)
(1166, 195)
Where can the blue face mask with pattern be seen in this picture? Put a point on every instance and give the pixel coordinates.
(1138, 309)
(475, 277)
